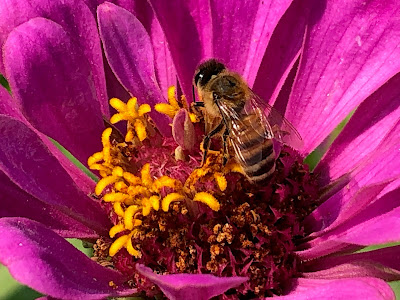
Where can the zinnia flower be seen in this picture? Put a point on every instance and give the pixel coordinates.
(160, 223)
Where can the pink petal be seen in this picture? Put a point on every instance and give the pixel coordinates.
(75, 18)
(163, 64)
(27, 161)
(355, 288)
(241, 35)
(56, 94)
(378, 169)
(373, 225)
(382, 263)
(188, 29)
(128, 50)
(282, 51)
(39, 258)
(191, 286)
(373, 119)
(15, 202)
(351, 50)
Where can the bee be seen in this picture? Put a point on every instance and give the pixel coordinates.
(245, 122)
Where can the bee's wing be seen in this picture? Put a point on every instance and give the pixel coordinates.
(247, 130)
(282, 130)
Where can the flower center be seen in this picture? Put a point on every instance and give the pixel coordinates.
(174, 216)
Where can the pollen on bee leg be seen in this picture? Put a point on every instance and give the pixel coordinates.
(172, 197)
(207, 199)
(221, 181)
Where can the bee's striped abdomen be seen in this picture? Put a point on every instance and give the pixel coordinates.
(255, 153)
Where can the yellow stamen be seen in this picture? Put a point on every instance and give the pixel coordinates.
(146, 207)
(131, 250)
(118, 104)
(166, 109)
(118, 209)
(140, 129)
(103, 183)
(116, 229)
(166, 181)
(146, 177)
(207, 199)
(170, 198)
(221, 181)
(143, 109)
(132, 179)
(95, 158)
(116, 197)
(129, 216)
(118, 244)
(155, 202)
(171, 97)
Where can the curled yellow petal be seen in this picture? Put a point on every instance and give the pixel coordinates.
(165, 109)
(144, 109)
(116, 229)
(155, 202)
(118, 244)
(103, 183)
(166, 181)
(146, 177)
(129, 216)
(207, 199)
(118, 209)
(131, 250)
(95, 158)
(172, 197)
(116, 197)
(171, 97)
(118, 104)
(140, 130)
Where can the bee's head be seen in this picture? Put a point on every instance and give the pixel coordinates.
(206, 71)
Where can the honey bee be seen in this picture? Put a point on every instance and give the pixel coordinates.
(245, 122)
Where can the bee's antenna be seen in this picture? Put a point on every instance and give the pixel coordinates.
(194, 96)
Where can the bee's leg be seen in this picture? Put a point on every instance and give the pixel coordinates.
(206, 141)
(226, 150)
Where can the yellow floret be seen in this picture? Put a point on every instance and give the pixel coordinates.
(116, 229)
(118, 244)
(170, 198)
(207, 199)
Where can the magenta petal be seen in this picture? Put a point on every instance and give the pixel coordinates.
(241, 35)
(375, 224)
(30, 165)
(373, 119)
(75, 18)
(130, 54)
(354, 288)
(378, 169)
(350, 51)
(188, 28)
(382, 263)
(15, 202)
(8, 106)
(164, 67)
(282, 51)
(56, 94)
(44, 261)
(191, 286)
